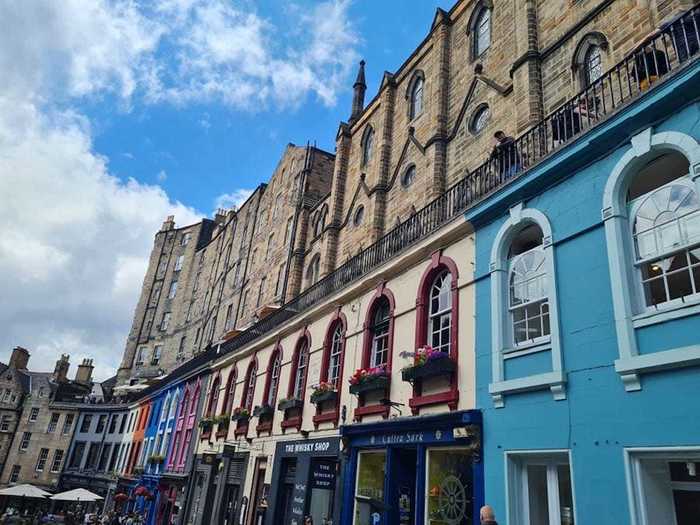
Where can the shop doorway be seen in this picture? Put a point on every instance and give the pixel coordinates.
(403, 487)
(285, 500)
(258, 505)
(229, 504)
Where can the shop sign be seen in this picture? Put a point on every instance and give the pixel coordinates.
(411, 437)
(307, 447)
(323, 475)
(298, 501)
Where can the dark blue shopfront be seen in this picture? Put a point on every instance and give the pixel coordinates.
(414, 470)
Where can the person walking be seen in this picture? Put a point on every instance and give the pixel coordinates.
(487, 516)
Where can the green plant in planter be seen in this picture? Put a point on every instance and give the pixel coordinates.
(206, 423)
(240, 414)
(324, 391)
(223, 420)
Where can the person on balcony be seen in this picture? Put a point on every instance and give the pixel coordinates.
(650, 63)
(505, 154)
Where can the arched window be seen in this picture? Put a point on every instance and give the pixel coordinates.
(481, 32)
(230, 390)
(440, 312)
(335, 355)
(416, 97)
(359, 215)
(408, 176)
(300, 365)
(273, 377)
(214, 396)
(664, 210)
(367, 145)
(479, 119)
(379, 330)
(523, 303)
(593, 64)
(249, 388)
(314, 270)
(528, 302)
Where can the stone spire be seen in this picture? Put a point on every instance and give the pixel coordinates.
(358, 96)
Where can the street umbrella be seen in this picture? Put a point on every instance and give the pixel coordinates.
(76, 495)
(24, 491)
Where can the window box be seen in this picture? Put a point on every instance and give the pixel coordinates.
(370, 385)
(263, 411)
(289, 404)
(206, 424)
(240, 415)
(322, 397)
(431, 368)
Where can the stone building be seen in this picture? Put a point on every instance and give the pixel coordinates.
(367, 381)
(47, 411)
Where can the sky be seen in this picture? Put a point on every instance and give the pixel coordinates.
(117, 113)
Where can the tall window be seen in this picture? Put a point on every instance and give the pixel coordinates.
(379, 354)
(664, 210)
(335, 356)
(53, 423)
(57, 459)
(416, 102)
(41, 460)
(251, 378)
(367, 145)
(214, 397)
(300, 367)
(593, 63)
(440, 312)
(230, 391)
(314, 270)
(482, 32)
(157, 351)
(273, 370)
(528, 302)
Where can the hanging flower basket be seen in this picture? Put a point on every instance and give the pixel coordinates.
(263, 411)
(140, 491)
(289, 404)
(429, 363)
(369, 379)
(324, 391)
(240, 414)
(120, 497)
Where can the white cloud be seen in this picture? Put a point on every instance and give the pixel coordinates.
(75, 241)
(162, 176)
(235, 199)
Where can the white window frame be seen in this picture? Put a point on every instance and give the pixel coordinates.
(300, 370)
(41, 460)
(381, 335)
(543, 300)
(172, 292)
(502, 349)
(178, 262)
(335, 354)
(516, 463)
(417, 97)
(438, 316)
(635, 489)
(631, 364)
(250, 390)
(275, 373)
(57, 457)
(33, 414)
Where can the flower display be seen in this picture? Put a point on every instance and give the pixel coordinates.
(362, 375)
(241, 412)
(428, 353)
(319, 391)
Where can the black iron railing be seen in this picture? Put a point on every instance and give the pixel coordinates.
(666, 51)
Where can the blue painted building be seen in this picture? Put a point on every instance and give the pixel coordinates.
(588, 307)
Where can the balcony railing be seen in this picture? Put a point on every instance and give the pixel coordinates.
(660, 55)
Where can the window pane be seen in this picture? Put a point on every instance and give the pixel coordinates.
(566, 500)
(679, 284)
(449, 498)
(370, 484)
(537, 494)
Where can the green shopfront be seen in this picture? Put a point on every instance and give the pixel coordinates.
(413, 470)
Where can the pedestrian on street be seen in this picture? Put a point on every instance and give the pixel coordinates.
(487, 516)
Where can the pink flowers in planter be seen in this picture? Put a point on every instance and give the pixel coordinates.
(363, 375)
(428, 353)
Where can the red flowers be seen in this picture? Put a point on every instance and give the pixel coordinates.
(367, 374)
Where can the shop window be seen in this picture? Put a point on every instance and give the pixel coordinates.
(323, 472)
(369, 485)
(666, 486)
(449, 491)
(541, 488)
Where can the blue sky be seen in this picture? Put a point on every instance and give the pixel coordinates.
(117, 113)
(207, 149)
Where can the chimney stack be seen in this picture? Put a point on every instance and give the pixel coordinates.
(358, 95)
(220, 217)
(60, 373)
(19, 358)
(84, 373)
(168, 224)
